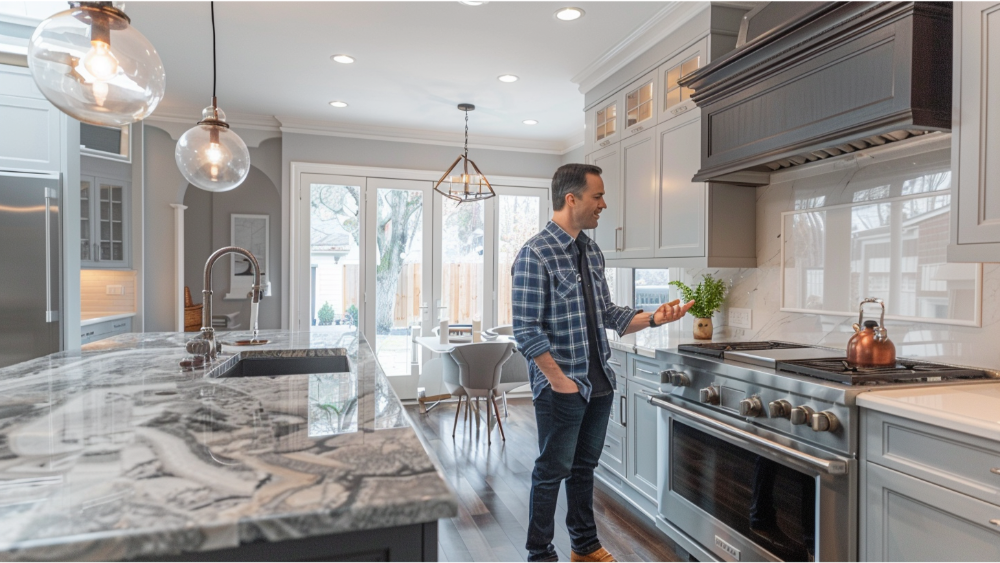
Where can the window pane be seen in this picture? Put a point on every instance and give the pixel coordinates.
(518, 223)
(600, 132)
(632, 118)
(646, 93)
(689, 66)
(651, 289)
(673, 97)
(645, 111)
(334, 258)
(600, 117)
(612, 111)
(632, 100)
(686, 93)
(610, 127)
(462, 261)
(399, 263)
(672, 76)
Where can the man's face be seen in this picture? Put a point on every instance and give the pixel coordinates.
(586, 209)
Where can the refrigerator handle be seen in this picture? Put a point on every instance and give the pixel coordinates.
(51, 315)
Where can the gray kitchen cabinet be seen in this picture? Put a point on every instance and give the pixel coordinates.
(99, 331)
(639, 105)
(104, 223)
(613, 457)
(699, 224)
(975, 170)
(908, 519)
(675, 100)
(603, 124)
(927, 493)
(608, 231)
(32, 135)
(641, 451)
(637, 197)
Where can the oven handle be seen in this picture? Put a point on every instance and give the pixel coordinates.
(831, 467)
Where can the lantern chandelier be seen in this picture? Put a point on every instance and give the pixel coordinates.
(93, 65)
(210, 155)
(465, 186)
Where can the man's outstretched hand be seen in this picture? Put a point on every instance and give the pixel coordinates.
(670, 312)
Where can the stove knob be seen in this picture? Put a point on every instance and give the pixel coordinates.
(709, 395)
(801, 415)
(676, 378)
(751, 407)
(824, 422)
(779, 409)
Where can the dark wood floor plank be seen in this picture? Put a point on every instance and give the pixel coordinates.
(493, 484)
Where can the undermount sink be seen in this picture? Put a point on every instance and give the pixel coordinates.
(256, 367)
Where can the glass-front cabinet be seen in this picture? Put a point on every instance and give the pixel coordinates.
(640, 105)
(676, 99)
(104, 222)
(605, 124)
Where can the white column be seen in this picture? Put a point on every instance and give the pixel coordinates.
(179, 264)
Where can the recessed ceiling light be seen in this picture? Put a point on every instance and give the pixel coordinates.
(473, 2)
(338, 104)
(530, 122)
(507, 78)
(343, 59)
(569, 14)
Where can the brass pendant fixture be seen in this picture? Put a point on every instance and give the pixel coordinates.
(465, 186)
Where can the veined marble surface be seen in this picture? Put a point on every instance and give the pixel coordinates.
(113, 452)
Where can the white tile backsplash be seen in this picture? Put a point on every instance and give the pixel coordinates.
(759, 289)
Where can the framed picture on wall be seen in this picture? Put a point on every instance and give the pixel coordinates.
(251, 232)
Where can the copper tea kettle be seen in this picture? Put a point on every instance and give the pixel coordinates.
(870, 345)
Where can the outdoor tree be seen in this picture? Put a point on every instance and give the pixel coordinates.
(398, 217)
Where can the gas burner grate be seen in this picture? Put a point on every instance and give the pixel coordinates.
(905, 371)
(717, 349)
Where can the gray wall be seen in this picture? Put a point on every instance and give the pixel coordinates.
(574, 156)
(207, 227)
(164, 186)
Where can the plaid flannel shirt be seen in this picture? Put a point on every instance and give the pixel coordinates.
(549, 310)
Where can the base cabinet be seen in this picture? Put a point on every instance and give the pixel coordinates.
(909, 519)
(640, 471)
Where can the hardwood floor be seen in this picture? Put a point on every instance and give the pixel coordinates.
(492, 483)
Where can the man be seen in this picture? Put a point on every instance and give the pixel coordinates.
(561, 307)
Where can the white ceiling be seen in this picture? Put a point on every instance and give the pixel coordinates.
(415, 61)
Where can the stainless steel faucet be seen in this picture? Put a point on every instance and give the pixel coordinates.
(207, 331)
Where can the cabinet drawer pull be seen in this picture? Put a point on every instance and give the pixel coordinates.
(995, 522)
(607, 445)
(995, 470)
(637, 129)
(614, 363)
(647, 371)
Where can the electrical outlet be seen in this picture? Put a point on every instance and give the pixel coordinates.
(739, 318)
(115, 290)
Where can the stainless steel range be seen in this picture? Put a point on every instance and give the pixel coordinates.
(762, 442)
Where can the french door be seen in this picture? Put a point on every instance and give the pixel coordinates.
(391, 259)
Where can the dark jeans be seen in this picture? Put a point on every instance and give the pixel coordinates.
(570, 441)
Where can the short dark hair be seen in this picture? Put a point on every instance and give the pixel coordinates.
(570, 179)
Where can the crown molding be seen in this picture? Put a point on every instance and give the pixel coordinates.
(418, 136)
(655, 29)
(253, 129)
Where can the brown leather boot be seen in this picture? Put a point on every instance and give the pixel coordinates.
(600, 554)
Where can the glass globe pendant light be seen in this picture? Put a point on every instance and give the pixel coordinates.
(95, 67)
(210, 155)
(465, 186)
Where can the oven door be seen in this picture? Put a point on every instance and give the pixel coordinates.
(745, 496)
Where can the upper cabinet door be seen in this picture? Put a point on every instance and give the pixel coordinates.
(976, 133)
(675, 100)
(640, 105)
(30, 137)
(638, 173)
(605, 123)
(608, 232)
(681, 228)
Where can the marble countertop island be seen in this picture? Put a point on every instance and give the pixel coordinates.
(972, 409)
(114, 453)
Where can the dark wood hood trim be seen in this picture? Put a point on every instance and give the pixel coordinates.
(837, 76)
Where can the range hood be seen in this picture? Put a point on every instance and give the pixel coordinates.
(811, 80)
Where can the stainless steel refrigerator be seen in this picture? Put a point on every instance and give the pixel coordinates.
(30, 259)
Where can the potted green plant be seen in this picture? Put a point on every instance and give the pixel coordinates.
(708, 297)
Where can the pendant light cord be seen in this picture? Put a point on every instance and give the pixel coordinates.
(212, 4)
(466, 134)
